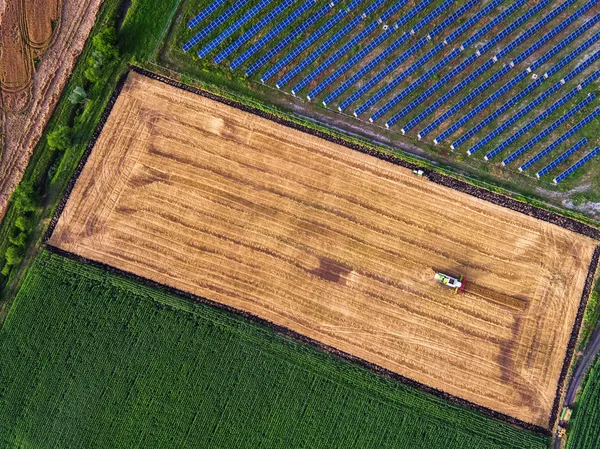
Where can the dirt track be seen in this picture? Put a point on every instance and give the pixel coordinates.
(330, 243)
(28, 95)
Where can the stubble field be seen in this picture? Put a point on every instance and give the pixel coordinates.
(333, 244)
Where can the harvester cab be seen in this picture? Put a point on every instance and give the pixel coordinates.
(449, 281)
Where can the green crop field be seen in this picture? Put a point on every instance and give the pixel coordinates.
(93, 360)
(584, 430)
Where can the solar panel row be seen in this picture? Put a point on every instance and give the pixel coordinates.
(562, 44)
(465, 101)
(274, 32)
(511, 102)
(532, 105)
(326, 45)
(577, 165)
(396, 63)
(252, 31)
(492, 24)
(289, 39)
(522, 113)
(205, 13)
(493, 116)
(547, 131)
(560, 159)
(431, 90)
(505, 32)
(563, 138)
(308, 41)
(348, 45)
(404, 93)
(214, 24)
(572, 55)
(530, 125)
(381, 75)
(512, 27)
(447, 96)
(403, 20)
(472, 21)
(232, 28)
(537, 27)
(552, 33)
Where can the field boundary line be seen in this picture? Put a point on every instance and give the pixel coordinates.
(438, 178)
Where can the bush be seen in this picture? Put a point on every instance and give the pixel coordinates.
(19, 240)
(22, 223)
(60, 139)
(13, 255)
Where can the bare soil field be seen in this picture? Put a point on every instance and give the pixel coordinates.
(330, 243)
(52, 32)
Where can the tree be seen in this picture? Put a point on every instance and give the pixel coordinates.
(92, 74)
(60, 138)
(23, 223)
(78, 96)
(24, 197)
(14, 255)
(105, 43)
(6, 270)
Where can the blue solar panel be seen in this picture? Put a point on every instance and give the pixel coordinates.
(522, 113)
(385, 53)
(465, 101)
(233, 28)
(351, 62)
(473, 20)
(560, 159)
(394, 101)
(391, 67)
(328, 44)
(547, 131)
(214, 25)
(252, 31)
(552, 33)
(205, 13)
(492, 24)
(572, 55)
(577, 165)
(493, 116)
(562, 44)
(546, 151)
(347, 46)
(288, 39)
(307, 42)
(513, 26)
(275, 31)
(538, 26)
(531, 124)
(431, 90)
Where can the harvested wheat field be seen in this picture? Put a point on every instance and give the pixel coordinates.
(331, 243)
(54, 32)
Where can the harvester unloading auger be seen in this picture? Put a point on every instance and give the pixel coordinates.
(460, 285)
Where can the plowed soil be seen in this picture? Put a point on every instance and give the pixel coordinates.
(53, 32)
(331, 243)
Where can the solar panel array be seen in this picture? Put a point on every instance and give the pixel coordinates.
(546, 151)
(407, 69)
(560, 159)
(547, 131)
(288, 39)
(252, 31)
(577, 165)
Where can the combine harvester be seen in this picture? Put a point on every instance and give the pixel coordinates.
(459, 285)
